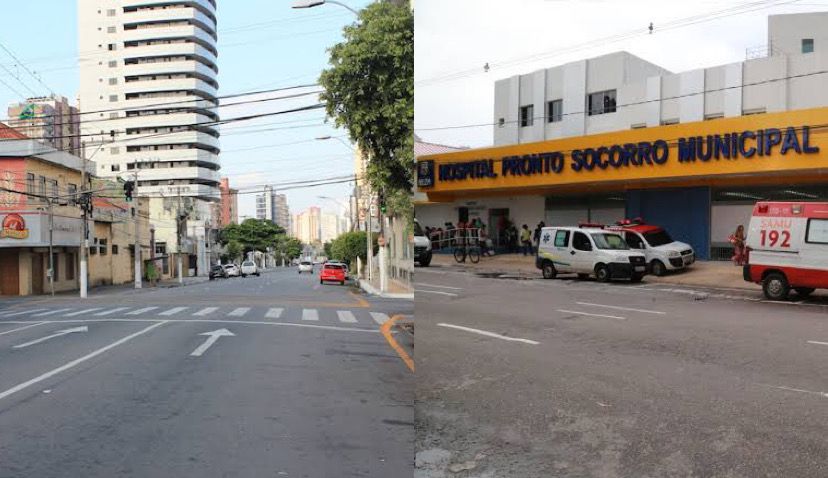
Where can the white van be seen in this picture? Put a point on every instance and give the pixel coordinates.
(788, 248)
(586, 251)
(422, 246)
(662, 252)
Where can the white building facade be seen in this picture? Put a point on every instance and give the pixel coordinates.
(148, 88)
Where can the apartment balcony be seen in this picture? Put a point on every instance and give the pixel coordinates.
(190, 137)
(153, 86)
(167, 49)
(201, 191)
(167, 67)
(167, 14)
(168, 155)
(177, 173)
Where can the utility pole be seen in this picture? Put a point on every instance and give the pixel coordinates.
(84, 242)
(179, 224)
(51, 244)
(138, 274)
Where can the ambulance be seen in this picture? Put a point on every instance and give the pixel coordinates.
(787, 244)
(662, 252)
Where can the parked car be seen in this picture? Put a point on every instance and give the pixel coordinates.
(422, 246)
(249, 268)
(662, 252)
(232, 270)
(588, 250)
(217, 271)
(306, 266)
(333, 272)
(787, 245)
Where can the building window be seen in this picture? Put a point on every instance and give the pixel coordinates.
(113, 63)
(110, 29)
(554, 111)
(638, 126)
(527, 114)
(713, 116)
(114, 249)
(807, 45)
(72, 189)
(110, 12)
(113, 98)
(102, 244)
(601, 102)
(114, 150)
(111, 46)
(41, 186)
(113, 81)
(30, 183)
(113, 115)
(501, 122)
(669, 121)
(115, 167)
(53, 186)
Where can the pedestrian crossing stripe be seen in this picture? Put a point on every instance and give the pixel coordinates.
(309, 315)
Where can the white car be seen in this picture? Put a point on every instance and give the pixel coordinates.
(248, 268)
(306, 266)
(588, 251)
(422, 246)
(232, 270)
(662, 252)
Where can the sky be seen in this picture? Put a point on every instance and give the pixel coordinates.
(263, 44)
(514, 37)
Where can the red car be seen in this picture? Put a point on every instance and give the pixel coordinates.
(332, 273)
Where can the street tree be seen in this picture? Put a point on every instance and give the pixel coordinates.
(252, 234)
(369, 90)
(350, 245)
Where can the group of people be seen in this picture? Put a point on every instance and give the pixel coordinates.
(512, 239)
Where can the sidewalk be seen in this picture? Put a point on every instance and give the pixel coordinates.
(396, 289)
(701, 274)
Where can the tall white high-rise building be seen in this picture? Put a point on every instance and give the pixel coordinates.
(273, 206)
(148, 84)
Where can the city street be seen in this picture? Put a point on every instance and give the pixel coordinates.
(538, 378)
(265, 376)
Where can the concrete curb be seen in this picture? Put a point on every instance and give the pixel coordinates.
(368, 288)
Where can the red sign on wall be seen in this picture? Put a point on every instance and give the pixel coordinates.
(14, 226)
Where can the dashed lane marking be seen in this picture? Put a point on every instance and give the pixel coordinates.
(50, 312)
(646, 311)
(239, 312)
(438, 292)
(22, 312)
(577, 312)
(21, 328)
(817, 343)
(310, 314)
(488, 334)
(346, 316)
(437, 286)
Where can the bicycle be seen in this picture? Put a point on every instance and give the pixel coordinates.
(461, 252)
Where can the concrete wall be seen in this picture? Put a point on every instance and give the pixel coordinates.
(785, 32)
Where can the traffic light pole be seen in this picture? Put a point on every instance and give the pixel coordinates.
(138, 274)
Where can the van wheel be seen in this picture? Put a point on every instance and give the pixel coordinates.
(658, 268)
(549, 271)
(602, 273)
(804, 291)
(775, 286)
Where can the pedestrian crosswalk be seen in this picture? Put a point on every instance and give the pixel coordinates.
(307, 315)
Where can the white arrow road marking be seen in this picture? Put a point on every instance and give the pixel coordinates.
(489, 334)
(274, 313)
(172, 311)
(141, 311)
(213, 337)
(379, 317)
(50, 312)
(310, 314)
(82, 328)
(346, 316)
(22, 312)
(239, 312)
(22, 328)
(73, 363)
(112, 311)
(84, 311)
(205, 311)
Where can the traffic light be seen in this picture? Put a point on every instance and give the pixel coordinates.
(129, 187)
(382, 206)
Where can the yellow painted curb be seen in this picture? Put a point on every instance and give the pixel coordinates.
(386, 332)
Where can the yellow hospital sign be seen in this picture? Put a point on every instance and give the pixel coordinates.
(746, 145)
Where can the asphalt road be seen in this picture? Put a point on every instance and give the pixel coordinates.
(580, 379)
(129, 385)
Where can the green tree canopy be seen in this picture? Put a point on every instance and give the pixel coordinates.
(369, 89)
(252, 234)
(350, 245)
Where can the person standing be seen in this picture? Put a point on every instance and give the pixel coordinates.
(537, 234)
(526, 240)
(738, 241)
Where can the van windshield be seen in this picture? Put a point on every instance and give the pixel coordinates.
(609, 241)
(658, 238)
